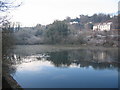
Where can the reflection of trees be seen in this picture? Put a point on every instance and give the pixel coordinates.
(11, 61)
(59, 58)
(98, 59)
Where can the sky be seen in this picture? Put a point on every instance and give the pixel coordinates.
(44, 12)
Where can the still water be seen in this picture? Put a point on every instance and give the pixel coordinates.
(79, 68)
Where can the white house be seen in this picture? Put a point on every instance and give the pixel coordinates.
(106, 26)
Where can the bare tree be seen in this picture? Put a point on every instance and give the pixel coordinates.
(5, 28)
(6, 6)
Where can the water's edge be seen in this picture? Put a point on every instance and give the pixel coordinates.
(10, 83)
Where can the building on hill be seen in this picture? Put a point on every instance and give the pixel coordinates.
(105, 26)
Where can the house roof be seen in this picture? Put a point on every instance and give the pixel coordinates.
(109, 21)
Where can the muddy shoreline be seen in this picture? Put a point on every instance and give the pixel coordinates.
(8, 82)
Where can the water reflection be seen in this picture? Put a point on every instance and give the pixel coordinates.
(69, 68)
(79, 58)
(33, 66)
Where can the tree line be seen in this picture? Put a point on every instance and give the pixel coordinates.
(67, 31)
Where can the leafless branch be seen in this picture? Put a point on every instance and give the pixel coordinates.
(5, 6)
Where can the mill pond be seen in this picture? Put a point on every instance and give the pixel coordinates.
(47, 66)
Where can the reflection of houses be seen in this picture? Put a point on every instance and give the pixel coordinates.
(101, 56)
(106, 26)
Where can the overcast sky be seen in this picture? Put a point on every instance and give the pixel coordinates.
(45, 12)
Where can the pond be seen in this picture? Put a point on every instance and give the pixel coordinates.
(65, 68)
